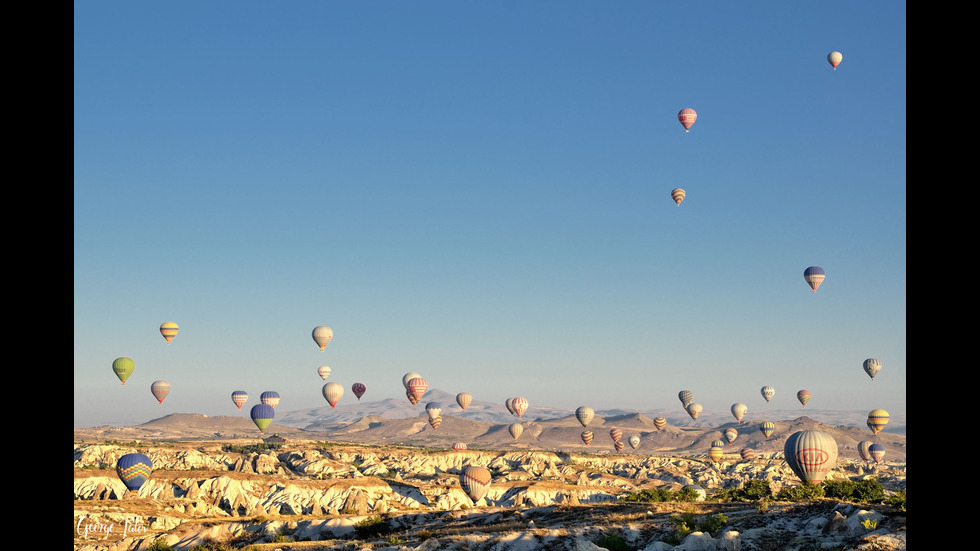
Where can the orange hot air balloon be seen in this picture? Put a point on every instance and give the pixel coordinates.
(687, 118)
(678, 195)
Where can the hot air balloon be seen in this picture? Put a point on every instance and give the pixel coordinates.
(634, 441)
(877, 452)
(516, 430)
(748, 454)
(160, 389)
(864, 450)
(333, 391)
(587, 437)
(134, 470)
(718, 443)
(767, 428)
(270, 398)
(239, 397)
(435, 422)
(686, 397)
(803, 396)
(509, 404)
(811, 454)
(768, 392)
(872, 367)
(358, 389)
(459, 446)
(408, 377)
(584, 414)
(322, 335)
(417, 388)
(660, 423)
(619, 446)
(123, 367)
(715, 453)
(877, 419)
(411, 397)
(434, 409)
(615, 434)
(678, 195)
(694, 409)
(262, 416)
(520, 406)
(169, 330)
(464, 399)
(687, 118)
(323, 371)
(730, 435)
(834, 58)
(475, 481)
(814, 276)
(739, 411)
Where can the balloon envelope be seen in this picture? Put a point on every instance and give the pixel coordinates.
(687, 117)
(435, 422)
(262, 415)
(434, 409)
(660, 423)
(169, 330)
(509, 404)
(123, 367)
(768, 392)
(520, 406)
(322, 336)
(239, 397)
(358, 389)
(678, 195)
(872, 367)
(134, 470)
(323, 371)
(747, 454)
(475, 481)
(464, 399)
(864, 450)
(877, 419)
(459, 446)
(160, 389)
(739, 410)
(615, 434)
(270, 398)
(715, 453)
(587, 437)
(767, 428)
(814, 276)
(619, 446)
(834, 58)
(694, 409)
(408, 377)
(584, 414)
(634, 441)
(516, 430)
(686, 396)
(877, 452)
(811, 454)
(803, 396)
(333, 391)
(417, 388)
(730, 435)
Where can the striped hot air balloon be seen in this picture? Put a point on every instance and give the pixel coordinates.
(877, 419)
(434, 409)
(803, 396)
(811, 454)
(434, 422)
(458, 446)
(584, 414)
(768, 392)
(718, 443)
(123, 367)
(686, 396)
(877, 452)
(262, 415)
(615, 434)
(160, 390)
(687, 117)
(872, 366)
(834, 58)
(475, 481)
(134, 470)
(715, 453)
(619, 446)
(239, 397)
(660, 423)
(332, 392)
(520, 406)
(509, 404)
(269, 398)
(587, 437)
(322, 335)
(416, 389)
(408, 377)
(864, 450)
(464, 399)
(748, 454)
(411, 397)
(767, 428)
(169, 330)
(814, 276)
(516, 430)
(358, 389)
(730, 435)
(677, 194)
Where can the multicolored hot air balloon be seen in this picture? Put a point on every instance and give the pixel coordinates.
(634, 441)
(877, 419)
(262, 415)
(686, 396)
(767, 428)
(618, 446)
(434, 422)
(520, 406)
(678, 195)
(411, 398)
(459, 446)
(811, 454)
(434, 409)
(718, 443)
(834, 58)
(739, 411)
(358, 389)
(417, 388)
(332, 391)
(587, 437)
(123, 367)
(687, 118)
(768, 392)
(694, 409)
(814, 276)
(584, 414)
(615, 434)
(322, 336)
(877, 452)
(715, 453)
(803, 396)
(239, 397)
(748, 454)
(269, 398)
(160, 389)
(872, 366)
(475, 481)
(323, 371)
(660, 423)
(864, 450)
(516, 430)
(730, 435)
(464, 399)
(169, 330)
(134, 470)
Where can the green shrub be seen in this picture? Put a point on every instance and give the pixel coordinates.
(650, 495)
(868, 490)
(753, 490)
(800, 493)
(612, 542)
(687, 494)
(159, 545)
(897, 500)
(372, 527)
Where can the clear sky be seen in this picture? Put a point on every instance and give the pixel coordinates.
(480, 192)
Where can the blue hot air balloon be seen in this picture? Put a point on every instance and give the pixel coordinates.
(262, 416)
(134, 470)
(814, 276)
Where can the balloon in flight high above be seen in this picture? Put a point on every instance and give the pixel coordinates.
(587, 437)
(864, 450)
(262, 415)
(323, 371)
(134, 470)
(520, 406)
(660, 422)
(416, 389)
(239, 397)
(464, 399)
(814, 276)
(803, 396)
(687, 118)
(509, 404)
(408, 377)
(169, 330)
(634, 441)
(615, 434)
(270, 398)
(434, 409)
(694, 409)
(877, 419)
(730, 435)
(160, 389)
(678, 195)
(872, 366)
(123, 367)
(834, 58)
(358, 389)
(322, 335)
(768, 392)
(877, 452)
(811, 454)
(584, 414)
(739, 410)
(475, 481)
(333, 391)
(686, 396)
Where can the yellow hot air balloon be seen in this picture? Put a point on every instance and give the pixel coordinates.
(169, 330)
(678, 195)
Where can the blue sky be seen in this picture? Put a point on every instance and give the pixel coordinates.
(480, 192)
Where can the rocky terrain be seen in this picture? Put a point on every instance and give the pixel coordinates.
(315, 490)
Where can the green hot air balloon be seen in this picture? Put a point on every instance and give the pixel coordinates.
(262, 416)
(123, 367)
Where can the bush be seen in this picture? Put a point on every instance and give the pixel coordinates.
(159, 545)
(650, 495)
(372, 527)
(868, 490)
(897, 500)
(800, 493)
(613, 542)
(753, 490)
(686, 523)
